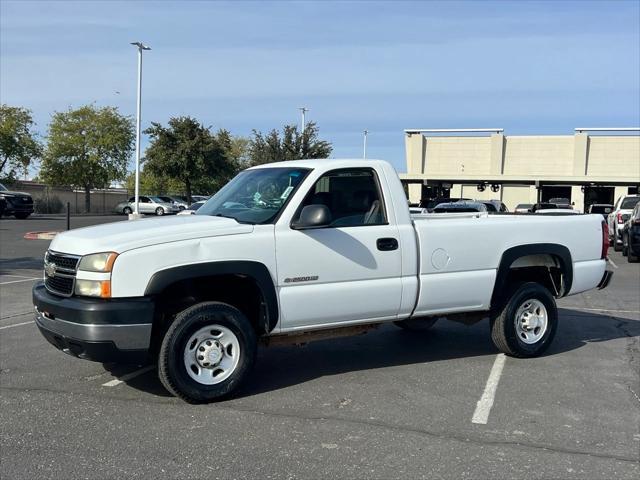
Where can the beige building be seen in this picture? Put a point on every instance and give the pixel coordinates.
(592, 166)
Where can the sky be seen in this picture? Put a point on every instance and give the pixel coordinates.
(541, 67)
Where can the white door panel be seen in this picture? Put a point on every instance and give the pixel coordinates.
(355, 280)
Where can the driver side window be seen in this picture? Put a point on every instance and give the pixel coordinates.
(352, 196)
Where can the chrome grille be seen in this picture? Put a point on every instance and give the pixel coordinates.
(60, 273)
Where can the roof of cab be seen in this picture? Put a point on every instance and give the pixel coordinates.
(326, 162)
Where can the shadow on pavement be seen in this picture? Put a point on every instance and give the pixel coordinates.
(286, 366)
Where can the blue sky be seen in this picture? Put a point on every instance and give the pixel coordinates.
(529, 67)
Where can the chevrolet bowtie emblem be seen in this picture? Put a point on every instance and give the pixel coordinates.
(50, 269)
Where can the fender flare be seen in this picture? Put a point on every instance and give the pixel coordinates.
(255, 270)
(512, 254)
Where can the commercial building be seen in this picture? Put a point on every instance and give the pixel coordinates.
(594, 165)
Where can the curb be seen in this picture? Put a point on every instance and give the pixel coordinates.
(40, 235)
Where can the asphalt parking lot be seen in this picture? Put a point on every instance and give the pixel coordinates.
(389, 404)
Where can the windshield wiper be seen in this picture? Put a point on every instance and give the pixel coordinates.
(234, 218)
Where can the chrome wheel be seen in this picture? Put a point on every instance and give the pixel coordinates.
(531, 321)
(212, 354)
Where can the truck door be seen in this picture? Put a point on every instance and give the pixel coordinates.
(347, 272)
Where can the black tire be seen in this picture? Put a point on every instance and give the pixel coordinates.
(617, 247)
(159, 211)
(127, 210)
(171, 364)
(632, 257)
(22, 216)
(625, 245)
(503, 322)
(420, 324)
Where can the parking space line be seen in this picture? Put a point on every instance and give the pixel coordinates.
(18, 281)
(483, 407)
(603, 310)
(128, 376)
(17, 324)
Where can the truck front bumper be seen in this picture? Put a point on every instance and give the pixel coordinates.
(114, 330)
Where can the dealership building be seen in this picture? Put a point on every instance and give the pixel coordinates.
(594, 165)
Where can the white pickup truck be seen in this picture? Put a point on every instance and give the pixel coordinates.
(300, 250)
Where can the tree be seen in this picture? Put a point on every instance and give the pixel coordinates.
(290, 146)
(187, 151)
(88, 148)
(151, 184)
(19, 145)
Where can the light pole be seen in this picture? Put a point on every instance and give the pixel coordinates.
(140, 46)
(303, 110)
(364, 149)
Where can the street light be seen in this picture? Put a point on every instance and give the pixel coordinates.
(303, 110)
(364, 150)
(140, 46)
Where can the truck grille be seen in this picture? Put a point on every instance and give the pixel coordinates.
(60, 273)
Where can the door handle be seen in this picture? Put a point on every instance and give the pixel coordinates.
(387, 244)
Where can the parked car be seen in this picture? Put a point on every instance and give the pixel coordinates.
(523, 208)
(494, 206)
(18, 204)
(460, 207)
(631, 236)
(603, 209)
(430, 203)
(543, 206)
(561, 202)
(331, 250)
(148, 205)
(176, 201)
(620, 214)
(417, 211)
(192, 209)
(200, 198)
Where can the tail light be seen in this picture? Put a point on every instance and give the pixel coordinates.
(619, 216)
(605, 241)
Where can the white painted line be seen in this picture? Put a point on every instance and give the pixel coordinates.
(128, 376)
(602, 310)
(16, 325)
(612, 263)
(18, 281)
(483, 407)
(11, 275)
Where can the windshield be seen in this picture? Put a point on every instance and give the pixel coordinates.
(3, 188)
(255, 196)
(156, 200)
(629, 202)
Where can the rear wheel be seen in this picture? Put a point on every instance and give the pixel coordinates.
(617, 247)
(127, 210)
(159, 211)
(207, 352)
(632, 257)
(526, 324)
(22, 216)
(625, 245)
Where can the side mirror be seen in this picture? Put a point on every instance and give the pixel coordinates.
(313, 216)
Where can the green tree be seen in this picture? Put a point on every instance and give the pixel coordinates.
(151, 184)
(19, 145)
(290, 145)
(187, 151)
(88, 148)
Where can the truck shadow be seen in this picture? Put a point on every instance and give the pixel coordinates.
(286, 366)
(389, 346)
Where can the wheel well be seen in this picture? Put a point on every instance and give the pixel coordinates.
(551, 270)
(240, 291)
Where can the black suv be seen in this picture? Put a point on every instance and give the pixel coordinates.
(17, 204)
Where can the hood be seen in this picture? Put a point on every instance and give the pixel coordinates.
(9, 193)
(126, 235)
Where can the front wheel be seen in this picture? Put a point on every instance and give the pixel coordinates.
(207, 352)
(159, 211)
(526, 324)
(625, 245)
(127, 210)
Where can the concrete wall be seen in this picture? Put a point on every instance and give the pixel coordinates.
(535, 155)
(606, 154)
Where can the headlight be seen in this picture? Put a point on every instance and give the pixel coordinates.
(98, 262)
(93, 288)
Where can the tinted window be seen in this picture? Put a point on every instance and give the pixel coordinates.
(600, 209)
(629, 202)
(351, 195)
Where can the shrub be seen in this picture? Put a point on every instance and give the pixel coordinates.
(50, 204)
